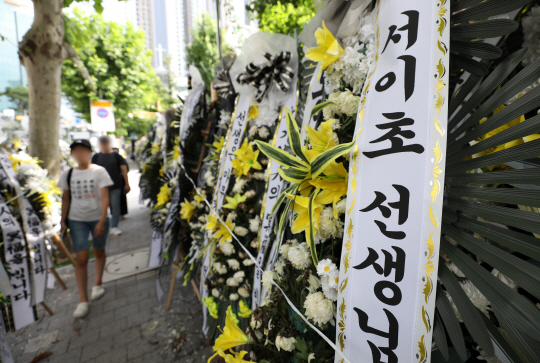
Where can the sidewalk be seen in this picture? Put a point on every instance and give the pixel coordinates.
(128, 324)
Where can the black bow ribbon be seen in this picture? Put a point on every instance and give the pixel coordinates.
(223, 84)
(265, 75)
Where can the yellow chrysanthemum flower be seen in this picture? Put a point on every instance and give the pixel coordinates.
(223, 234)
(186, 210)
(164, 195)
(328, 50)
(245, 311)
(233, 202)
(212, 306)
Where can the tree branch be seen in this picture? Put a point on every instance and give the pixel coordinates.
(72, 54)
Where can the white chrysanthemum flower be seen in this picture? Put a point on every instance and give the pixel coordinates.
(452, 267)
(255, 243)
(224, 119)
(299, 256)
(504, 279)
(248, 262)
(267, 284)
(258, 176)
(233, 215)
(227, 248)
(255, 323)
(209, 178)
(264, 133)
(476, 297)
(284, 249)
(239, 186)
(233, 297)
(220, 268)
(202, 219)
(286, 344)
(341, 206)
(239, 276)
(319, 238)
(254, 224)
(280, 266)
(250, 194)
(215, 293)
(244, 292)
(233, 264)
(252, 131)
(330, 227)
(319, 308)
(333, 278)
(314, 283)
(231, 281)
(240, 231)
(328, 291)
(267, 116)
(325, 267)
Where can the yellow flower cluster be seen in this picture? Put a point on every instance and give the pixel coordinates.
(246, 159)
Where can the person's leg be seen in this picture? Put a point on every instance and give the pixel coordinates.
(123, 204)
(99, 251)
(79, 236)
(114, 199)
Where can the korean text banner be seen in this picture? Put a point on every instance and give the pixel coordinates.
(389, 260)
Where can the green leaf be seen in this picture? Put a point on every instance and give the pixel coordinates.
(283, 221)
(292, 189)
(293, 175)
(488, 8)
(514, 306)
(280, 156)
(310, 233)
(323, 160)
(451, 323)
(484, 29)
(475, 49)
(294, 136)
(318, 108)
(469, 313)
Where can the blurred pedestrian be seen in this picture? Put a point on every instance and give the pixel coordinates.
(116, 166)
(123, 196)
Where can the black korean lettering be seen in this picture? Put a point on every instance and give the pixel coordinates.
(395, 135)
(411, 27)
(393, 327)
(409, 75)
(402, 204)
(389, 263)
(385, 82)
(393, 300)
(22, 295)
(376, 354)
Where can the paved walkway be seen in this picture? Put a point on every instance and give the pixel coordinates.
(128, 324)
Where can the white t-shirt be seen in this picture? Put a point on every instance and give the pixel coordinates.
(86, 192)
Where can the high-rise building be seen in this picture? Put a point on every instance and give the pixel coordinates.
(145, 21)
(16, 18)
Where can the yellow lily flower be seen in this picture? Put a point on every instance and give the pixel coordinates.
(163, 196)
(333, 185)
(237, 358)
(186, 210)
(217, 146)
(200, 198)
(245, 159)
(253, 112)
(234, 201)
(232, 335)
(211, 222)
(223, 233)
(328, 50)
(245, 311)
(320, 140)
(300, 207)
(212, 306)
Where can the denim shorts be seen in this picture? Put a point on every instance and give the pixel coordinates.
(79, 232)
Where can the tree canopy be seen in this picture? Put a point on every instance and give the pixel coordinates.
(18, 95)
(282, 16)
(202, 52)
(119, 65)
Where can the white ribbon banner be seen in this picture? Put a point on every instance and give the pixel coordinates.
(274, 187)
(386, 293)
(191, 101)
(232, 143)
(36, 241)
(155, 249)
(315, 96)
(17, 260)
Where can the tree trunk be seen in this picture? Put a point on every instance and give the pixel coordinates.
(42, 52)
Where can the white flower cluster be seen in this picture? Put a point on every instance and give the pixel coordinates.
(224, 119)
(329, 278)
(352, 66)
(345, 103)
(299, 256)
(319, 309)
(329, 226)
(267, 116)
(285, 343)
(209, 177)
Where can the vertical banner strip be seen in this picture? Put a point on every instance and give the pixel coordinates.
(394, 204)
(232, 142)
(315, 96)
(274, 187)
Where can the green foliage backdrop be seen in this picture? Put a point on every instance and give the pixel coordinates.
(120, 66)
(282, 16)
(202, 52)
